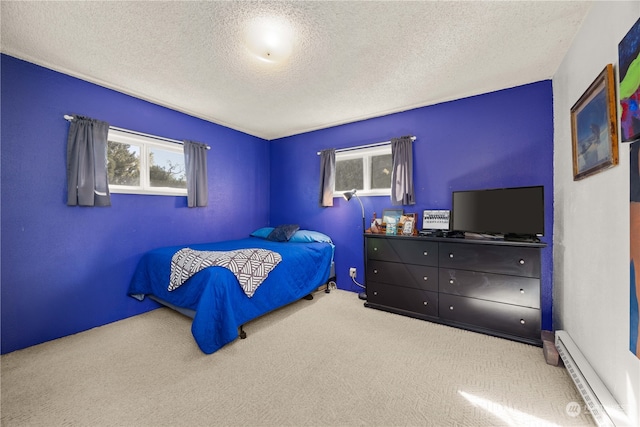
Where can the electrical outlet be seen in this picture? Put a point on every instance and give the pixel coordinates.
(352, 272)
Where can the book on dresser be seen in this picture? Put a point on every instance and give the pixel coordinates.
(487, 286)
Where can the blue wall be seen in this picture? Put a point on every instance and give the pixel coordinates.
(66, 269)
(500, 139)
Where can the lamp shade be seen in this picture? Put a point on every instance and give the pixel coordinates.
(349, 194)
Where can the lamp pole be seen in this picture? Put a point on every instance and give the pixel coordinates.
(363, 295)
(348, 195)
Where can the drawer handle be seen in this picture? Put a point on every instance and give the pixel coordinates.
(522, 322)
(375, 271)
(375, 249)
(451, 281)
(522, 291)
(425, 253)
(425, 303)
(375, 292)
(521, 262)
(450, 255)
(450, 307)
(425, 278)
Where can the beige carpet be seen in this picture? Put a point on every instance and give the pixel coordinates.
(329, 361)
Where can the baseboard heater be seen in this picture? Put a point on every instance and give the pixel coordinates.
(603, 407)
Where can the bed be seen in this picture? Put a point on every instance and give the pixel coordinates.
(213, 296)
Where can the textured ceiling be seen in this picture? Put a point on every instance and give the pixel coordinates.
(347, 60)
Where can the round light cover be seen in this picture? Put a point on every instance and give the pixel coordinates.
(270, 39)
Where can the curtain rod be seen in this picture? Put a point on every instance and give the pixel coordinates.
(133, 132)
(359, 147)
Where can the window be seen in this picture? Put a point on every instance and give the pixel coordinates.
(138, 164)
(368, 170)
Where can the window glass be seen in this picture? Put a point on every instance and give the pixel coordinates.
(349, 175)
(123, 163)
(381, 171)
(166, 168)
(138, 164)
(368, 170)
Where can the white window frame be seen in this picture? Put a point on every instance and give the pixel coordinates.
(365, 154)
(145, 143)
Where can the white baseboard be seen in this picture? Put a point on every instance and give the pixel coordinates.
(604, 409)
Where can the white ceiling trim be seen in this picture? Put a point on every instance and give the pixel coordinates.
(347, 61)
(120, 89)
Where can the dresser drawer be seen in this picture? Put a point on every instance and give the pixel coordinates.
(414, 300)
(407, 275)
(506, 318)
(513, 260)
(408, 251)
(516, 290)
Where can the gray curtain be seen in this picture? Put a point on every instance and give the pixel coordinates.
(195, 159)
(87, 182)
(327, 177)
(402, 192)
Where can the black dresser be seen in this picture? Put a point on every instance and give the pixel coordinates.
(485, 286)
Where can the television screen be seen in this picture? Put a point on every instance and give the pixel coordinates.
(508, 211)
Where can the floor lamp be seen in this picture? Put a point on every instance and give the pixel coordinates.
(348, 196)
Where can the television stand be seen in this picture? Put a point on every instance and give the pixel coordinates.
(487, 286)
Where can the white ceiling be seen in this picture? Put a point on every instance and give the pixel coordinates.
(349, 60)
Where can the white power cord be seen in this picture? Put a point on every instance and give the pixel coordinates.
(354, 281)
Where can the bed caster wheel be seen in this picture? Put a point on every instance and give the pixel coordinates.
(308, 297)
(242, 333)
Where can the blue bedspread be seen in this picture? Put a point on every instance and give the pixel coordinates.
(214, 293)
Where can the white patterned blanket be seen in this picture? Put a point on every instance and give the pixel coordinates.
(250, 266)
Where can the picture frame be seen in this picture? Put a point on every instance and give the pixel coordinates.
(391, 215)
(391, 219)
(594, 137)
(629, 88)
(408, 223)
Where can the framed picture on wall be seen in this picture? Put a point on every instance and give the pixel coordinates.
(594, 134)
(629, 89)
(634, 248)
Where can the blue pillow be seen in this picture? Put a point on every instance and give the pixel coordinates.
(262, 232)
(306, 236)
(283, 233)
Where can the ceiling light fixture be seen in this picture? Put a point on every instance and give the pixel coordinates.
(270, 39)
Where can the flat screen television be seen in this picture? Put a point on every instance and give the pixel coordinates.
(516, 213)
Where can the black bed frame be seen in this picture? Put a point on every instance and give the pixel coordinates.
(331, 284)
